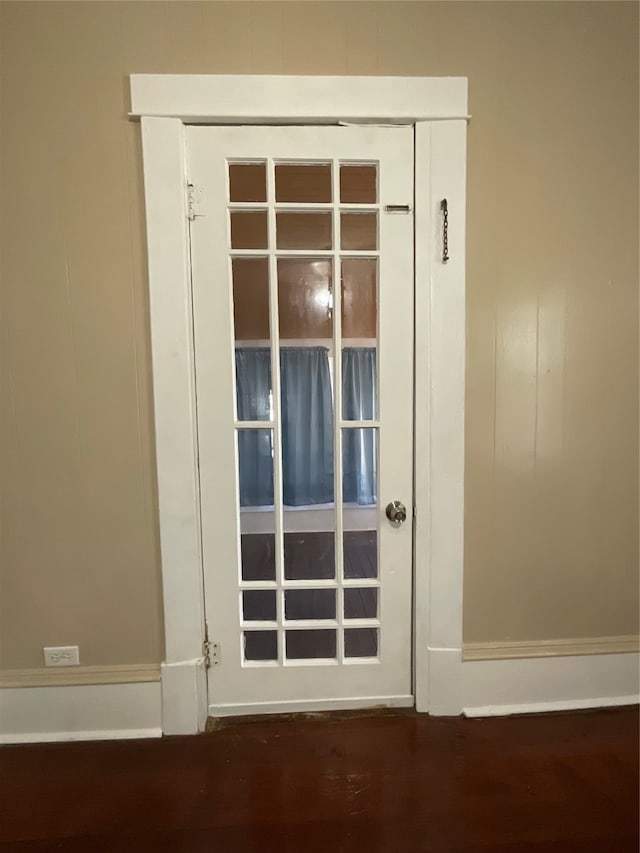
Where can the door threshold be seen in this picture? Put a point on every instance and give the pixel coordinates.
(215, 724)
(310, 706)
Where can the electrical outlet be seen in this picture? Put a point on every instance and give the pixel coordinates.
(61, 656)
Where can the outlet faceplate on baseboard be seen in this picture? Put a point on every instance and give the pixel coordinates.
(61, 656)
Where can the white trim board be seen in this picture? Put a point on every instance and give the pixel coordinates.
(80, 712)
(64, 676)
(533, 685)
(265, 99)
(552, 648)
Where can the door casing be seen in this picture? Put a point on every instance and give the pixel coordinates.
(436, 107)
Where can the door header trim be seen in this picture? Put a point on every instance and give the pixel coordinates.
(253, 99)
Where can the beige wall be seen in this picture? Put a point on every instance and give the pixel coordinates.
(552, 387)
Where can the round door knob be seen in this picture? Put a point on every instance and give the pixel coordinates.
(396, 513)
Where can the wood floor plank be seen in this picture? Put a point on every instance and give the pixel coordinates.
(400, 783)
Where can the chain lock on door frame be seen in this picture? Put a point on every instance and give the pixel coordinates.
(445, 230)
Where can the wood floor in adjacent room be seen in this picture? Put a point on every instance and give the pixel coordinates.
(560, 783)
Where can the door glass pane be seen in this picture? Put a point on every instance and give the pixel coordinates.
(258, 550)
(359, 336)
(309, 555)
(310, 604)
(304, 230)
(360, 499)
(251, 299)
(360, 550)
(360, 466)
(249, 229)
(361, 642)
(261, 645)
(303, 182)
(253, 383)
(360, 603)
(359, 231)
(359, 383)
(312, 643)
(254, 397)
(255, 464)
(259, 605)
(247, 182)
(257, 518)
(358, 184)
(359, 281)
(305, 298)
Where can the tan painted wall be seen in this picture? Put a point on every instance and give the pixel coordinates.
(552, 397)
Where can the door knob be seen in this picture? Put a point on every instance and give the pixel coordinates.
(396, 513)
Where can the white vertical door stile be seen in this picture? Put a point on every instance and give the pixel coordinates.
(299, 621)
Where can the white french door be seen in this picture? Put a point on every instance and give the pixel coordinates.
(302, 269)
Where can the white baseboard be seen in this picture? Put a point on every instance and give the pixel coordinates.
(498, 687)
(80, 712)
(184, 697)
(546, 684)
(544, 707)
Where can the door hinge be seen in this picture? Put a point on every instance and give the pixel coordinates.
(196, 201)
(211, 653)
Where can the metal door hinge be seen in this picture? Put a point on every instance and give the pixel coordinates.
(196, 201)
(211, 653)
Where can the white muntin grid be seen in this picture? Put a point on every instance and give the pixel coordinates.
(335, 255)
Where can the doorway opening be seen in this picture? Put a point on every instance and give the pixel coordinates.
(194, 519)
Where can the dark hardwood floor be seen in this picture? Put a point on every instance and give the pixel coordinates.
(558, 783)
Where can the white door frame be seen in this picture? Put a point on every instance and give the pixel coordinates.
(437, 107)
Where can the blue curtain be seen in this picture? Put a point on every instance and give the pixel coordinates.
(307, 426)
(253, 383)
(255, 460)
(359, 452)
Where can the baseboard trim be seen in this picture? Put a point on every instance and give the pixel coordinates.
(68, 676)
(80, 712)
(545, 707)
(623, 644)
(67, 737)
(534, 685)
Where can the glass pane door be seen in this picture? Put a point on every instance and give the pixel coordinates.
(299, 235)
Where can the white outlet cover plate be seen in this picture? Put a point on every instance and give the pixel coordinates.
(61, 656)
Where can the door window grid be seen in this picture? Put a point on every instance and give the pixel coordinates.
(345, 630)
